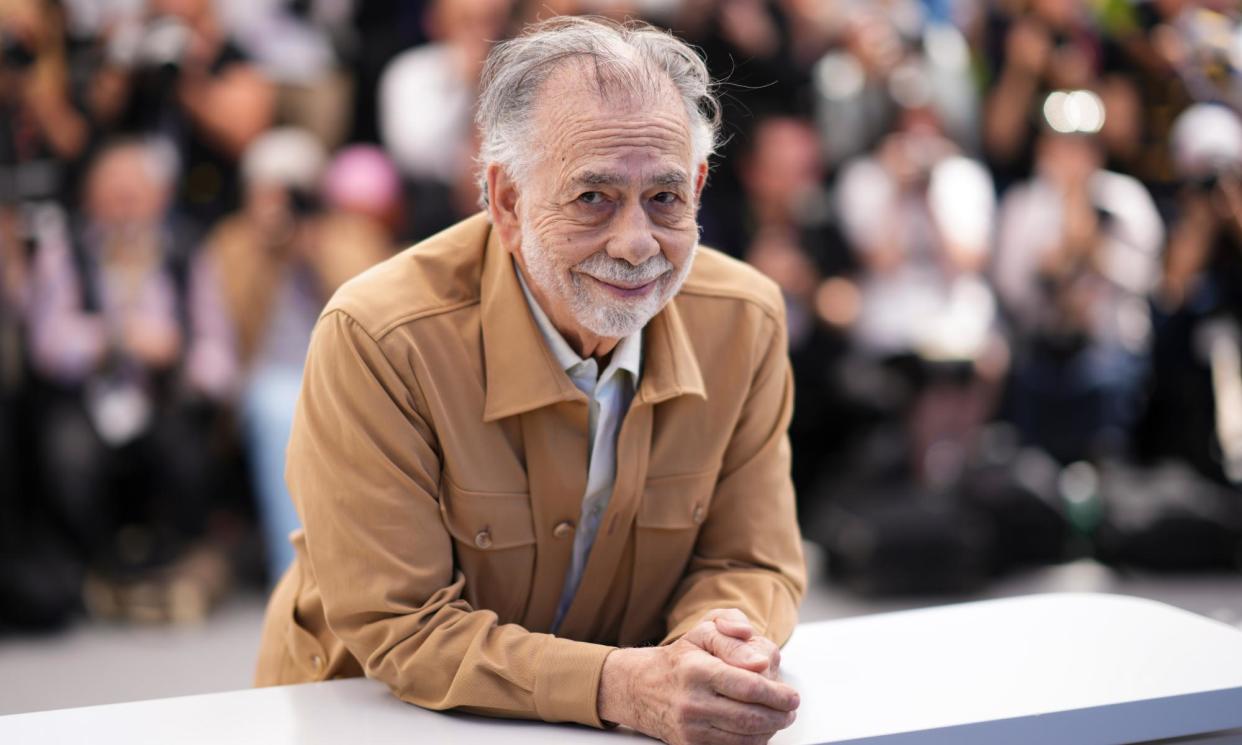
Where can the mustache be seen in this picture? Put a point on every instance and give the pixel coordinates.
(619, 271)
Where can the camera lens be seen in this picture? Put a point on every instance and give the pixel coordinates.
(14, 53)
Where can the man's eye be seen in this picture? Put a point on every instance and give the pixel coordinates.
(665, 197)
(591, 197)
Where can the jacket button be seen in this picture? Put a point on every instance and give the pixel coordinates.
(483, 539)
(699, 513)
(563, 529)
(317, 662)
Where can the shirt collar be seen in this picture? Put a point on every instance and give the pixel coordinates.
(626, 356)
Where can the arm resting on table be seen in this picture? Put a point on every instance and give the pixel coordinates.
(749, 552)
(364, 469)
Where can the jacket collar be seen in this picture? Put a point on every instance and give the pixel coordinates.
(523, 375)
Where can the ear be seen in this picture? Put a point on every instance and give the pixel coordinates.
(700, 180)
(502, 205)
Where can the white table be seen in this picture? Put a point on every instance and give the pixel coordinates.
(1064, 669)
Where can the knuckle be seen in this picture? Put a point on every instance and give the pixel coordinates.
(697, 735)
(684, 712)
(704, 629)
(752, 722)
(683, 736)
(732, 649)
(697, 669)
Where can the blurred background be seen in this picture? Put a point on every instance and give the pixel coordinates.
(1009, 235)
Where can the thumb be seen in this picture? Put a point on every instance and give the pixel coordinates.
(727, 648)
(735, 625)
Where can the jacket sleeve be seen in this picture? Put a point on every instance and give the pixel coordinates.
(749, 552)
(364, 470)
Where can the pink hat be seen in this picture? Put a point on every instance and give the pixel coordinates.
(362, 178)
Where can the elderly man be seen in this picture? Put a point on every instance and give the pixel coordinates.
(539, 442)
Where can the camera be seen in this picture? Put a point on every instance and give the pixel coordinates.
(304, 203)
(158, 45)
(14, 53)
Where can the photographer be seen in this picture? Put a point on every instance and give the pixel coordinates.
(1199, 299)
(281, 257)
(1077, 256)
(1051, 45)
(919, 217)
(178, 75)
(42, 132)
(130, 335)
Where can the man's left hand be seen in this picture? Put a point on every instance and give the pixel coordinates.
(727, 634)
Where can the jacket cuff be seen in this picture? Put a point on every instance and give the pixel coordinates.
(567, 681)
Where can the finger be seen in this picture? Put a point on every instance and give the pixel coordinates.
(749, 719)
(727, 648)
(738, 628)
(710, 735)
(750, 688)
(749, 655)
(717, 736)
(733, 613)
(758, 653)
(770, 652)
(767, 648)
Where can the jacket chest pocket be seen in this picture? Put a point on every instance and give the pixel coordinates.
(667, 525)
(493, 546)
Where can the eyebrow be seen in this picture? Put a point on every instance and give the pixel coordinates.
(671, 178)
(611, 178)
(598, 178)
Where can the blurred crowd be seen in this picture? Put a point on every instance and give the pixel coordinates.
(1009, 235)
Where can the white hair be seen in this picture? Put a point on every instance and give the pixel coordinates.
(627, 57)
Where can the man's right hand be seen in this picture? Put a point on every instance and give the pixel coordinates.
(682, 694)
(726, 633)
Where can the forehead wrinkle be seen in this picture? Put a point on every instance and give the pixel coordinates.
(628, 80)
(579, 131)
(655, 124)
(574, 103)
(590, 137)
(606, 161)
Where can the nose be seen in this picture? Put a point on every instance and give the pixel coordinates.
(632, 239)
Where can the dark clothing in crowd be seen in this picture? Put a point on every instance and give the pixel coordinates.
(209, 188)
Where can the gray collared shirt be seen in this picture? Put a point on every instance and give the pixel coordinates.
(609, 395)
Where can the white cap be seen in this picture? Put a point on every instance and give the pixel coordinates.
(1206, 138)
(286, 156)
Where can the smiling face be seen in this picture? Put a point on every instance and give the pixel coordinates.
(603, 221)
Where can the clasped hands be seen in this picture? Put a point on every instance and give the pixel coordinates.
(720, 683)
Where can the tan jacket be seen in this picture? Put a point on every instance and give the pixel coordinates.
(439, 458)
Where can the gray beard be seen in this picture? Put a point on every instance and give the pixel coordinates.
(604, 316)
